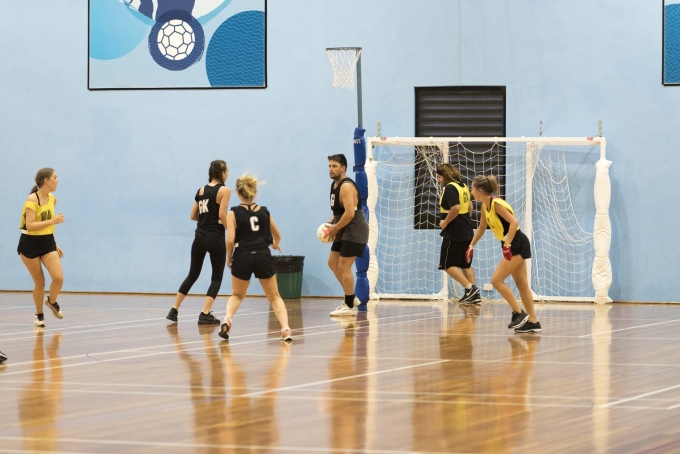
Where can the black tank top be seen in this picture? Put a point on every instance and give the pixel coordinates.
(335, 197)
(252, 228)
(209, 223)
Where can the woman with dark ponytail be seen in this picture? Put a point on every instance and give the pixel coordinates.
(37, 246)
(500, 217)
(210, 211)
(455, 206)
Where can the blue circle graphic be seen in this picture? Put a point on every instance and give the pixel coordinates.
(235, 56)
(113, 31)
(176, 40)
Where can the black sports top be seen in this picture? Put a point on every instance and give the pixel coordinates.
(252, 227)
(209, 223)
(335, 197)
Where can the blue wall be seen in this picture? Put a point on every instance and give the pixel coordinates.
(130, 162)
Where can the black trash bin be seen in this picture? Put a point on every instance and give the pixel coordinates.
(288, 270)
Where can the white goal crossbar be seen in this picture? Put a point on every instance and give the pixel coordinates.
(437, 149)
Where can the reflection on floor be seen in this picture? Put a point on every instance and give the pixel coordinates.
(115, 376)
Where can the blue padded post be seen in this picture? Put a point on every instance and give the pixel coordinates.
(361, 288)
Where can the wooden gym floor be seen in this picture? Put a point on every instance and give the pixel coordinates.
(115, 376)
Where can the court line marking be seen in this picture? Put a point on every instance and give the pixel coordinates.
(219, 446)
(422, 396)
(351, 377)
(318, 326)
(198, 341)
(631, 327)
(212, 395)
(651, 393)
(226, 388)
(165, 321)
(23, 451)
(96, 325)
(325, 326)
(466, 402)
(98, 361)
(119, 323)
(97, 330)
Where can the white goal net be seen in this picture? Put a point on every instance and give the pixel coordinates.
(549, 183)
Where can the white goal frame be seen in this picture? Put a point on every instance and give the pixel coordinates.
(601, 271)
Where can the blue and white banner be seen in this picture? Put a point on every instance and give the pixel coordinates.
(671, 42)
(156, 44)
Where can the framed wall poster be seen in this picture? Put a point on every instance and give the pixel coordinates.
(177, 44)
(670, 67)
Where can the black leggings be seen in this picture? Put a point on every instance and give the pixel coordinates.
(218, 258)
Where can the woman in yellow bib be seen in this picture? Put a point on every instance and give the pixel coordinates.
(37, 245)
(500, 217)
(455, 206)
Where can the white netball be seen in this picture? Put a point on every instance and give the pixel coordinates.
(321, 233)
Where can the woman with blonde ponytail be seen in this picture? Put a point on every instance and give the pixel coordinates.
(500, 217)
(37, 246)
(250, 232)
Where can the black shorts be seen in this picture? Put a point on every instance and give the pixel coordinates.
(453, 254)
(520, 245)
(259, 262)
(348, 248)
(34, 246)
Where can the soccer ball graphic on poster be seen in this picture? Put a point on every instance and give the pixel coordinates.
(176, 39)
(322, 231)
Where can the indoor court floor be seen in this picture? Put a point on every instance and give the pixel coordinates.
(115, 376)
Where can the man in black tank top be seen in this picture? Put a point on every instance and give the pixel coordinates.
(349, 230)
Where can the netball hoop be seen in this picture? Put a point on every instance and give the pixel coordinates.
(344, 60)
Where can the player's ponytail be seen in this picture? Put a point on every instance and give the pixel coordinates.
(487, 185)
(40, 177)
(246, 186)
(216, 169)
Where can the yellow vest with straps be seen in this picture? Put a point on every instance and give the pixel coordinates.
(492, 219)
(42, 213)
(463, 196)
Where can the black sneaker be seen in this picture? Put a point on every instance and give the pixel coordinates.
(207, 319)
(529, 327)
(469, 294)
(477, 299)
(3, 357)
(172, 315)
(518, 319)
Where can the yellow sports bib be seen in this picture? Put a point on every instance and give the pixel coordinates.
(463, 196)
(492, 219)
(42, 213)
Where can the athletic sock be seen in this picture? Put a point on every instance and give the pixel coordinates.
(349, 301)
(468, 287)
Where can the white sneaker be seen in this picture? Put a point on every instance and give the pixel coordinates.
(39, 320)
(344, 311)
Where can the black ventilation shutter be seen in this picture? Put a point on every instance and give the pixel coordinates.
(459, 112)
